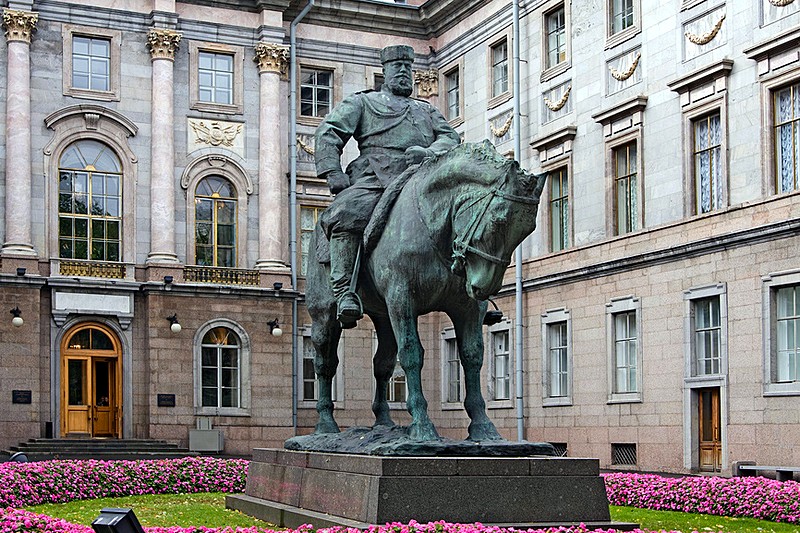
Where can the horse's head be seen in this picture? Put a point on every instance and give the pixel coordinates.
(490, 222)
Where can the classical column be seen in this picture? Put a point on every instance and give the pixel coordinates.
(18, 26)
(162, 44)
(272, 61)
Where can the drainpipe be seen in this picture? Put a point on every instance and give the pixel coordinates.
(293, 195)
(518, 252)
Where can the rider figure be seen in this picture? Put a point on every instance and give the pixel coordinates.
(393, 132)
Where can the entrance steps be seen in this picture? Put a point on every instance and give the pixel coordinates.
(100, 449)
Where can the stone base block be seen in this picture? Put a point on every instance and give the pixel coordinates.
(289, 488)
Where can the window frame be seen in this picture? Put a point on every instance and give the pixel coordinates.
(770, 285)
(550, 71)
(567, 239)
(237, 52)
(495, 100)
(614, 38)
(635, 221)
(114, 38)
(337, 71)
(448, 340)
(505, 326)
(794, 87)
(245, 352)
(457, 67)
(337, 387)
(616, 307)
(216, 201)
(318, 209)
(551, 318)
(394, 404)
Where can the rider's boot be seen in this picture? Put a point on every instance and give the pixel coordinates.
(344, 248)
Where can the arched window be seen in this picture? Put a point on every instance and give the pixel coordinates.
(89, 202)
(215, 222)
(220, 368)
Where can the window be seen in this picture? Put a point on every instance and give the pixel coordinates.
(215, 223)
(556, 358)
(91, 63)
(707, 333)
(622, 15)
(397, 390)
(500, 365)
(220, 370)
(499, 64)
(787, 137)
(556, 47)
(316, 92)
(309, 388)
(451, 371)
(625, 188)
(707, 162)
(89, 203)
(452, 86)
(215, 78)
(559, 209)
(625, 363)
(624, 350)
(308, 221)
(788, 327)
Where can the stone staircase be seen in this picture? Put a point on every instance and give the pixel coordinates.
(100, 449)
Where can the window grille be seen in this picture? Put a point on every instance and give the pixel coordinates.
(623, 454)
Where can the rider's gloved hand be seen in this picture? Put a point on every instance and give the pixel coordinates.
(337, 181)
(415, 154)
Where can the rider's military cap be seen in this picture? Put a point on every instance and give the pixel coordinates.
(397, 52)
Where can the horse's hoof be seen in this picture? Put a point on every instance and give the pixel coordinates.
(326, 427)
(485, 431)
(423, 432)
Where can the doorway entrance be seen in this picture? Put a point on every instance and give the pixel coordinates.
(710, 439)
(91, 385)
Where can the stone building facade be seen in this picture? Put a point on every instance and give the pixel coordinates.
(146, 176)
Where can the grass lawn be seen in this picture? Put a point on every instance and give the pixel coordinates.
(163, 510)
(688, 522)
(208, 509)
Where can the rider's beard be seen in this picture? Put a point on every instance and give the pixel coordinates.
(400, 85)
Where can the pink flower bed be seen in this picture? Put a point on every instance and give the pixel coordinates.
(753, 497)
(24, 485)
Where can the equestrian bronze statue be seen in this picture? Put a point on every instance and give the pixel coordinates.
(420, 223)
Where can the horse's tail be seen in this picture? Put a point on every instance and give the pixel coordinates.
(374, 229)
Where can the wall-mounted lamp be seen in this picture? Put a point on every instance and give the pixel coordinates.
(492, 317)
(274, 328)
(277, 285)
(17, 320)
(174, 325)
(20, 271)
(168, 280)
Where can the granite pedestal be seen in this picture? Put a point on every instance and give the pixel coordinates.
(290, 488)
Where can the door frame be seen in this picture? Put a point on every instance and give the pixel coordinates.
(714, 446)
(691, 421)
(67, 354)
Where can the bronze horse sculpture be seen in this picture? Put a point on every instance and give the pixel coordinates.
(445, 246)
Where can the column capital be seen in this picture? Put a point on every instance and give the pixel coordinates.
(271, 58)
(427, 82)
(163, 43)
(19, 25)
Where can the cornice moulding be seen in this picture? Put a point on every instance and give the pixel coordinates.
(701, 76)
(781, 42)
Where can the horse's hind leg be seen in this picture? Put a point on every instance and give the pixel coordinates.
(325, 337)
(469, 338)
(383, 364)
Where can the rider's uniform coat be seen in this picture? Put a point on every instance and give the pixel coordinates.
(384, 125)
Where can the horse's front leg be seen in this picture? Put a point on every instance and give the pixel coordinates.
(325, 337)
(411, 353)
(469, 337)
(383, 364)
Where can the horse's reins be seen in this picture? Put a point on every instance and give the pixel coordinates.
(462, 244)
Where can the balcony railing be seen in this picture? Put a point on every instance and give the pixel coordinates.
(221, 275)
(91, 269)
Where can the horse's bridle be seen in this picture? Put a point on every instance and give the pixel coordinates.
(462, 245)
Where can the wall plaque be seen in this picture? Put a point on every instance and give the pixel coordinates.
(166, 400)
(21, 396)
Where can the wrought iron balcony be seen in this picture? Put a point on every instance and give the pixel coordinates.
(221, 275)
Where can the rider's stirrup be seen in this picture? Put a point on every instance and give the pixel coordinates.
(349, 310)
